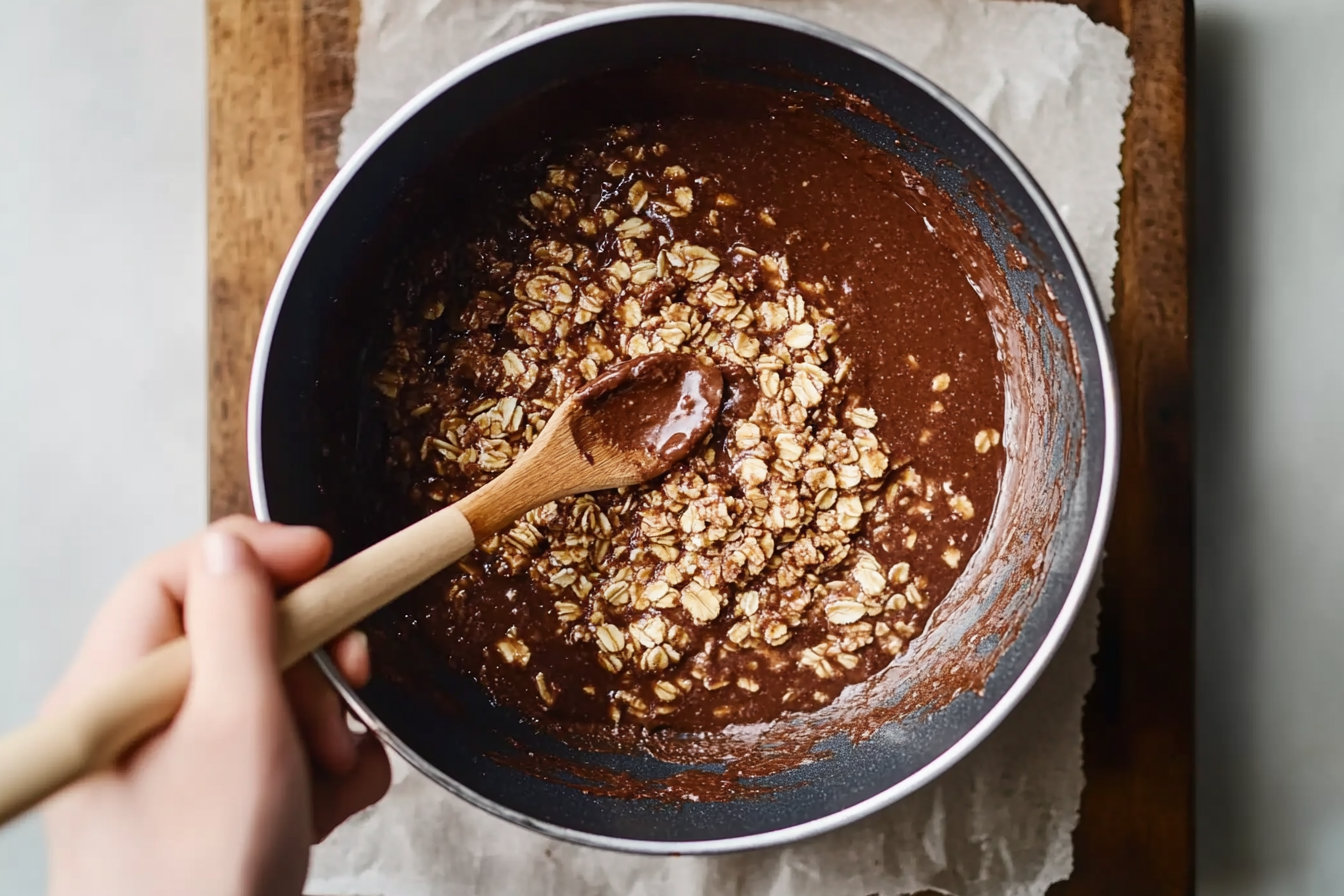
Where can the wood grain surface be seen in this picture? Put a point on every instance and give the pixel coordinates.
(1136, 832)
(281, 77)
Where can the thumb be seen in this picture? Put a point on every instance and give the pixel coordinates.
(230, 622)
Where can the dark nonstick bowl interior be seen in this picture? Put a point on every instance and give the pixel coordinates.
(315, 450)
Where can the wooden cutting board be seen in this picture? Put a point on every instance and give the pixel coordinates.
(281, 76)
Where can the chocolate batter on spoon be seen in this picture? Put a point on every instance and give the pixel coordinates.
(654, 409)
(623, 429)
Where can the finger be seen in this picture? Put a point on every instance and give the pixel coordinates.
(320, 716)
(336, 799)
(318, 708)
(292, 554)
(145, 609)
(131, 623)
(350, 652)
(230, 622)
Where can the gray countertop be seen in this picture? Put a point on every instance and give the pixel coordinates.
(1268, 305)
(102, 385)
(102, 326)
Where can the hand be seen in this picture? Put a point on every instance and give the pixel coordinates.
(255, 768)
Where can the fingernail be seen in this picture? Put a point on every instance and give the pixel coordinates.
(221, 553)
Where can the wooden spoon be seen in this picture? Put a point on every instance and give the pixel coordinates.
(625, 427)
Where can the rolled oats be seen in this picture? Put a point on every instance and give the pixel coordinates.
(986, 439)
(611, 638)
(513, 651)
(845, 611)
(799, 336)
(655, 659)
(544, 690)
(701, 601)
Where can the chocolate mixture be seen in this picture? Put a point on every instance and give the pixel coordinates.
(850, 475)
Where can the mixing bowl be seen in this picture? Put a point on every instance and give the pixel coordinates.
(315, 449)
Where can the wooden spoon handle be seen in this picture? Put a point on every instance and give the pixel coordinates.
(323, 607)
(93, 732)
(89, 734)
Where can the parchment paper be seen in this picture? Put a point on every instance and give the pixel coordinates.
(1054, 86)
